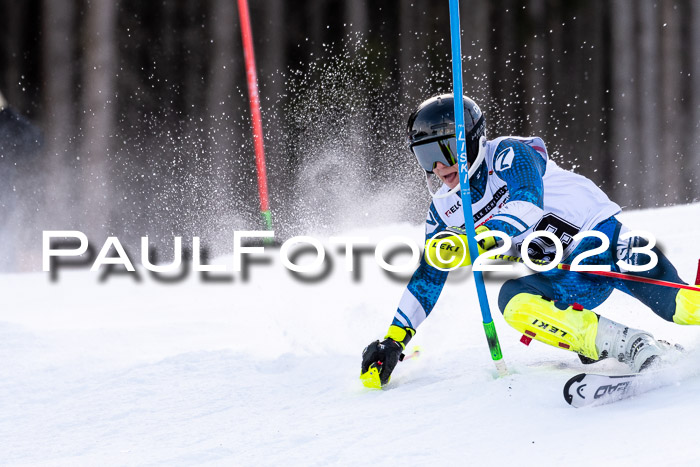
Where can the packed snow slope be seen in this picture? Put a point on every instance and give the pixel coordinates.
(265, 372)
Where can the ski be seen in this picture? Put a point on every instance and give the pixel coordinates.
(588, 389)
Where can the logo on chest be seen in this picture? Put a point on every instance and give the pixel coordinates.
(454, 208)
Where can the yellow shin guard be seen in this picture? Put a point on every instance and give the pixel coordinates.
(687, 307)
(573, 329)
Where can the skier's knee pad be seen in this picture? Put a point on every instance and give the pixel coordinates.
(573, 329)
(687, 307)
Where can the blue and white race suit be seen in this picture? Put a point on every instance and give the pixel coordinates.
(518, 190)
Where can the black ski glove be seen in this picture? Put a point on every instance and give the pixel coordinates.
(385, 355)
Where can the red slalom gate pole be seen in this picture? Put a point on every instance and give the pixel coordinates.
(254, 97)
(616, 275)
(628, 277)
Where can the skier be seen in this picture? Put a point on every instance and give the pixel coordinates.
(516, 189)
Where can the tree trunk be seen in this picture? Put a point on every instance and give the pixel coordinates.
(271, 77)
(222, 15)
(58, 119)
(694, 146)
(476, 52)
(356, 18)
(192, 76)
(535, 105)
(671, 85)
(413, 70)
(625, 151)
(316, 28)
(647, 189)
(596, 75)
(220, 87)
(99, 109)
(14, 50)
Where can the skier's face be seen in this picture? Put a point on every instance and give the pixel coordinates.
(448, 174)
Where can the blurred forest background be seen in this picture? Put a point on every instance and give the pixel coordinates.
(143, 108)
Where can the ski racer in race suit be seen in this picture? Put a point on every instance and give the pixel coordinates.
(516, 189)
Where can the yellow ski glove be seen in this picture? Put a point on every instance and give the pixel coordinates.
(448, 249)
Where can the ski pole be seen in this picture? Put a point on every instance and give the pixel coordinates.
(489, 327)
(616, 275)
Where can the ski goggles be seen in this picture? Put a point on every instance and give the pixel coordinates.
(430, 153)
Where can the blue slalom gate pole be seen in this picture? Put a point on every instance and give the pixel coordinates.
(489, 328)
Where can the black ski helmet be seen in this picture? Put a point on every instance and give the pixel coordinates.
(434, 120)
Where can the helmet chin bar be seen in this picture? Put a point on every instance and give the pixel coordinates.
(472, 170)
